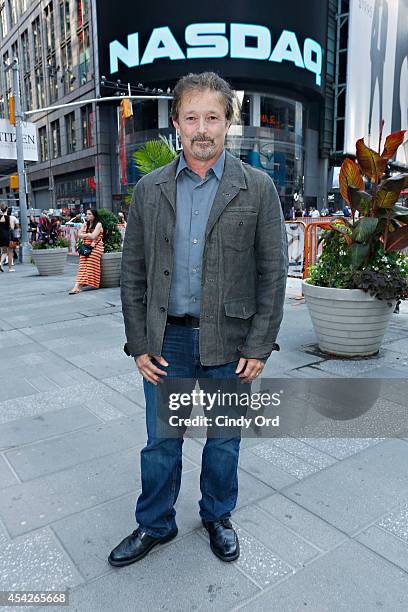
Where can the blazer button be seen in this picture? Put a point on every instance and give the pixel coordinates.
(166, 273)
(162, 309)
(166, 239)
(241, 223)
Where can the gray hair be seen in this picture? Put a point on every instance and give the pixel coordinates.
(200, 82)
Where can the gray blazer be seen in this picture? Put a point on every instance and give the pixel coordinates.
(243, 273)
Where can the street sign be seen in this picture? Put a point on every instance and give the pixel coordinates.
(8, 141)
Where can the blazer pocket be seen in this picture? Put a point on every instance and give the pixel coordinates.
(238, 229)
(242, 308)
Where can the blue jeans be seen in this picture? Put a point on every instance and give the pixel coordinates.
(161, 458)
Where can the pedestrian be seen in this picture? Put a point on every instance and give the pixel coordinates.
(33, 228)
(204, 269)
(314, 212)
(91, 234)
(6, 238)
(122, 220)
(15, 236)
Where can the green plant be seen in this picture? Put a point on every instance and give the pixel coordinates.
(365, 253)
(386, 276)
(383, 222)
(112, 240)
(154, 154)
(150, 156)
(333, 268)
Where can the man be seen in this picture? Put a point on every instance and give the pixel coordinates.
(204, 271)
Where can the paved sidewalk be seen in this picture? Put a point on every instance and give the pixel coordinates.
(323, 523)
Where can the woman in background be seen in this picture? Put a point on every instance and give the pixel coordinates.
(6, 228)
(33, 228)
(89, 272)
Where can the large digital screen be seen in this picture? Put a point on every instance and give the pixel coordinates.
(264, 42)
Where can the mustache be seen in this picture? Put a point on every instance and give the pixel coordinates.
(202, 139)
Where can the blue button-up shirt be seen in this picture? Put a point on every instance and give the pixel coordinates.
(194, 199)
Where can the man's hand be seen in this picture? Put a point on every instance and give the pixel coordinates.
(249, 369)
(148, 370)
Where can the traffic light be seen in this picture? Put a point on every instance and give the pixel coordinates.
(12, 115)
(126, 107)
(14, 181)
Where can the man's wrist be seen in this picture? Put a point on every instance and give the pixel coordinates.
(133, 353)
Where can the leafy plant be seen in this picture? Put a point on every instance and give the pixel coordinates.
(112, 239)
(386, 277)
(365, 253)
(333, 268)
(154, 154)
(150, 156)
(382, 222)
(49, 235)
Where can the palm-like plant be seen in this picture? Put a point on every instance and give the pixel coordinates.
(150, 156)
(154, 154)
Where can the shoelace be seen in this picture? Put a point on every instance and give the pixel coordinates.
(223, 523)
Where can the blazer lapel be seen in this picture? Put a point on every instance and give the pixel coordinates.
(167, 182)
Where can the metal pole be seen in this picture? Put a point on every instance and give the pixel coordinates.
(24, 246)
(97, 100)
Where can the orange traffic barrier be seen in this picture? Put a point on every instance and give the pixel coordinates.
(311, 247)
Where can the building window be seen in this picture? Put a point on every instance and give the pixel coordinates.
(26, 51)
(49, 29)
(82, 12)
(65, 23)
(278, 114)
(43, 143)
(37, 40)
(87, 123)
(39, 85)
(8, 79)
(28, 93)
(24, 5)
(14, 50)
(84, 56)
(52, 79)
(67, 78)
(55, 139)
(3, 20)
(12, 4)
(70, 132)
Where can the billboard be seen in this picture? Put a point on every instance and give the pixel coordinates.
(167, 39)
(8, 141)
(377, 72)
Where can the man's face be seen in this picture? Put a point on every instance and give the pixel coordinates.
(202, 124)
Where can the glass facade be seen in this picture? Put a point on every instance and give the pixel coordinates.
(271, 137)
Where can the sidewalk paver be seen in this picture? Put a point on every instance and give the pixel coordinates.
(322, 521)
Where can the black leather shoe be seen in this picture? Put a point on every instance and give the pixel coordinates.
(223, 539)
(136, 546)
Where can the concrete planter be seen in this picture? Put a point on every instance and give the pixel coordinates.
(50, 262)
(110, 269)
(347, 322)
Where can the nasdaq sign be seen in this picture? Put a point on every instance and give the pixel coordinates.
(209, 41)
(267, 46)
